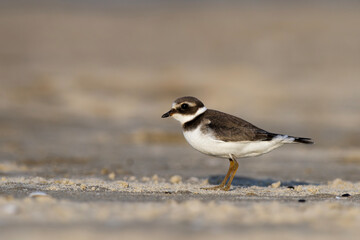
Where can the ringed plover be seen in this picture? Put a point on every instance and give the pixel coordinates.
(222, 135)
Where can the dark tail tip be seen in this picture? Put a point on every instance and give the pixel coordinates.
(303, 140)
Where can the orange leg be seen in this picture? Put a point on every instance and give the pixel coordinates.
(231, 173)
(235, 167)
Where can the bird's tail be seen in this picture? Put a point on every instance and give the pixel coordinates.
(303, 140)
(291, 139)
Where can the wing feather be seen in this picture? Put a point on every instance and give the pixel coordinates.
(226, 128)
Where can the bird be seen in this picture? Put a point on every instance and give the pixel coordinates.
(223, 135)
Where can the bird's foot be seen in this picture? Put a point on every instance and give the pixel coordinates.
(218, 187)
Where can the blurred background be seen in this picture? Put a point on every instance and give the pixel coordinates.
(84, 83)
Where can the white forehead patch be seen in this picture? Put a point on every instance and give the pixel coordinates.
(186, 118)
(191, 104)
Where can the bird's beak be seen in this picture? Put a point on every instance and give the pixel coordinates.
(168, 114)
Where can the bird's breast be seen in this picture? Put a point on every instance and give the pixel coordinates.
(204, 142)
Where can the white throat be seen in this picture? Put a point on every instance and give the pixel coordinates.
(186, 118)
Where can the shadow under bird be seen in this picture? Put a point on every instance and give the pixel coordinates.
(222, 135)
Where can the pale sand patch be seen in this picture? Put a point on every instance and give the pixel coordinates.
(176, 183)
(268, 208)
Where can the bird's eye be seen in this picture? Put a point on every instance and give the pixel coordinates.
(184, 106)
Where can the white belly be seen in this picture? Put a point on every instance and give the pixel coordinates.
(209, 145)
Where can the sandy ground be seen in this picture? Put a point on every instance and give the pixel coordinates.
(93, 207)
(83, 150)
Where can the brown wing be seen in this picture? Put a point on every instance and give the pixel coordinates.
(230, 128)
